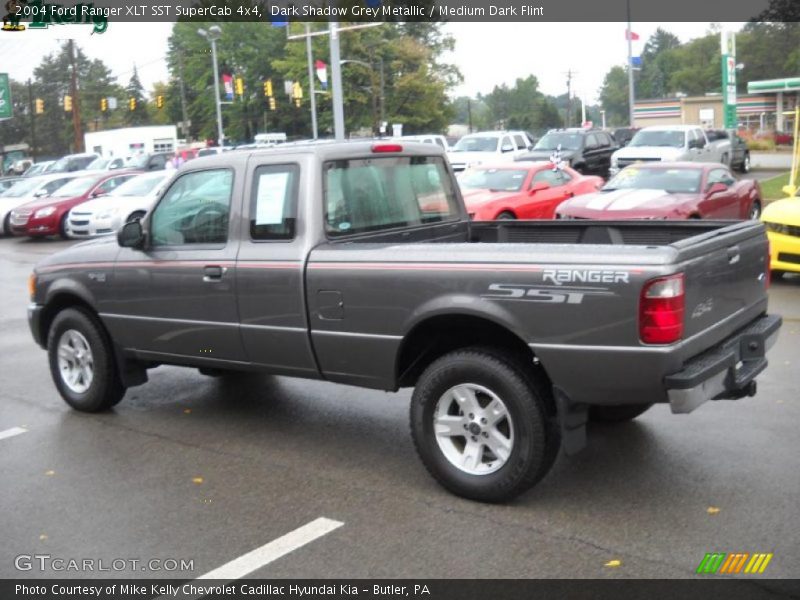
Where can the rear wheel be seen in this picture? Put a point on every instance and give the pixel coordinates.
(82, 362)
(481, 425)
(7, 225)
(616, 414)
(506, 216)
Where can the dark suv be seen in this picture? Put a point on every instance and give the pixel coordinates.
(588, 151)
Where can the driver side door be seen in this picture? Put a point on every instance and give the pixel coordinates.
(542, 203)
(723, 204)
(175, 300)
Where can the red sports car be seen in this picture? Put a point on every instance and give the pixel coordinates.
(48, 215)
(521, 190)
(669, 191)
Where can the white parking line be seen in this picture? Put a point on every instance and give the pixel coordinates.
(255, 559)
(12, 432)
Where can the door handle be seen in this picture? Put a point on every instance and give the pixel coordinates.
(213, 273)
(733, 255)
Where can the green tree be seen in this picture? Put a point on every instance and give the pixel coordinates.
(614, 96)
(658, 65)
(135, 91)
(522, 106)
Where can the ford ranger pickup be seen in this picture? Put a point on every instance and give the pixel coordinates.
(356, 263)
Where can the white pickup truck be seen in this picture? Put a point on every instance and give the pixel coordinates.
(671, 143)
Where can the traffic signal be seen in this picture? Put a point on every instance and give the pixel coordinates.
(297, 102)
(271, 103)
(68, 103)
(39, 106)
(104, 104)
(297, 91)
(159, 101)
(268, 88)
(239, 86)
(132, 104)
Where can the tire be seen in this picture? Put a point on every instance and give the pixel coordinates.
(745, 166)
(724, 160)
(96, 385)
(62, 226)
(7, 225)
(135, 215)
(526, 432)
(506, 215)
(777, 274)
(755, 210)
(616, 414)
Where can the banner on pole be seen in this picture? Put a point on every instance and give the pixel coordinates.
(6, 108)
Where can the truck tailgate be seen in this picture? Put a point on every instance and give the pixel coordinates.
(725, 280)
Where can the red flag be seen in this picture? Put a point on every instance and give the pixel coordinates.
(630, 35)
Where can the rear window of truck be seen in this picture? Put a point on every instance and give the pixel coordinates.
(375, 194)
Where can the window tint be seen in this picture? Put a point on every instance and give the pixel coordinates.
(440, 141)
(274, 202)
(113, 183)
(194, 210)
(521, 144)
(591, 141)
(375, 194)
(506, 142)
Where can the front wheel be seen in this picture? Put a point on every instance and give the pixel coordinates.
(481, 425)
(755, 211)
(616, 414)
(745, 166)
(62, 227)
(82, 362)
(506, 216)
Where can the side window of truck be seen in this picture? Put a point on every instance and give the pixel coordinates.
(363, 195)
(273, 206)
(194, 210)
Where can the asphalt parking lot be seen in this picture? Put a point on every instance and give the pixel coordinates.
(206, 470)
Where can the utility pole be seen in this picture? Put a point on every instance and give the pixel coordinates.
(76, 111)
(469, 114)
(32, 112)
(184, 115)
(629, 35)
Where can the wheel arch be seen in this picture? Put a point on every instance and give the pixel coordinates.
(436, 335)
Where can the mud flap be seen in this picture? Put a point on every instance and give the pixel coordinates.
(572, 418)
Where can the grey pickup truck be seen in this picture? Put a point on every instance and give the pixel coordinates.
(356, 263)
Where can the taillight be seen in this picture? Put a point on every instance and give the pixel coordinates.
(387, 148)
(661, 309)
(32, 286)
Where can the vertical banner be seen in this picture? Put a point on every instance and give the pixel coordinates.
(227, 84)
(6, 109)
(728, 51)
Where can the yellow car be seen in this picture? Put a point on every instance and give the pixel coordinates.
(782, 220)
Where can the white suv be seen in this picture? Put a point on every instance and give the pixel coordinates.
(488, 147)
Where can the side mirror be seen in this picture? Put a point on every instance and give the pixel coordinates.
(538, 187)
(131, 235)
(507, 148)
(40, 194)
(716, 188)
(98, 193)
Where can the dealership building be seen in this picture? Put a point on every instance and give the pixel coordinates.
(764, 108)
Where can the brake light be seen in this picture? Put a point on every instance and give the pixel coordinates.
(32, 286)
(387, 148)
(661, 310)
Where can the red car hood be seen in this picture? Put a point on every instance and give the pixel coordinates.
(622, 203)
(476, 197)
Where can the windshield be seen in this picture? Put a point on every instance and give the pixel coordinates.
(76, 187)
(476, 144)
(568, 141)
(60, 165)
(98, 164)
(36, 169)
(21, 188)
(674, 181)
(139, 186)
(496, 180)
(670, 139)
(137, 162)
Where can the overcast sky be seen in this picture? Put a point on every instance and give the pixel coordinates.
(488, 54)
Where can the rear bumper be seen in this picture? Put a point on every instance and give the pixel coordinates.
(726, 371)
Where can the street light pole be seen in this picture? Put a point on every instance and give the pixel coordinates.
(312, 95)
(213, 35)
(336, 82)
(631, 93)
